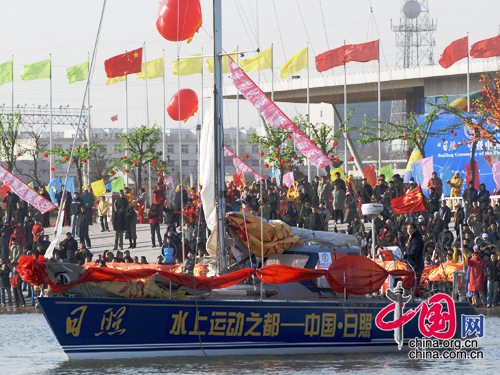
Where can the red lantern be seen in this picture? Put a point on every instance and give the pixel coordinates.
(266, 165)
(45, 156)
(454, 134)
(261, 154)
(18, 154)
(179, 20)
(126, 171)
(84, 161)
(52, 169)
(66, 158)
(78, 151)
(155, 161)
(405, 136)
(351, 158)
(407, 158)
(183, 104)
(289, 137)
(288, 166)
(246, 156)
(112, 172)
(282, 162)
(278, 149)
(294, 158)
(337, 159)
(276, 156)
(125, 157)
(442, 139)
(160, 171)
(72, 162)
(134, 162)
(409, 148)
(419, 136)
(335, 144)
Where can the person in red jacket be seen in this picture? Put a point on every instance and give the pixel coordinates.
(159, 199)
(20, 235)
(37, 233)
(154, 224)
(477, 277)
(16, 282)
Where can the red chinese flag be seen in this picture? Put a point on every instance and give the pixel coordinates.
(412, 201)
(121, 65)
(114, 118)
(370, 175)
(486, 48)
(239, 179)
(363, 52)
(456, 51)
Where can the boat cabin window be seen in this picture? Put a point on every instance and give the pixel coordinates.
(293, 260)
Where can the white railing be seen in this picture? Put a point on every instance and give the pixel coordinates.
(452, 201)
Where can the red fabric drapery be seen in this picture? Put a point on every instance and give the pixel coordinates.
(352, 274)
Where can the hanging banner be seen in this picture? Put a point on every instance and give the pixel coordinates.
(240, 165)
(270, 111)
(227, 151)
(25, 192)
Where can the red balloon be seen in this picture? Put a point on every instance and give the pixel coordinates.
(288, 166)
(45, 156)
(84, 161)
(176, 24)
(183, 104)
(52, 169)
(351, 158)
(126, 171)
(266, 165)
(155, 161)
(246, 156)
(112, 172)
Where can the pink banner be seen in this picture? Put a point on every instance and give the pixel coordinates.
(25, 192)
(169, 180)
(227, 151)
(288, 179)
(240, 165)
(275, 116)
(427, 166)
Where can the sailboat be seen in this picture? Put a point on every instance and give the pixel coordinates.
(306, 294)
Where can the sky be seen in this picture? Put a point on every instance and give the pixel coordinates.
(32, 30)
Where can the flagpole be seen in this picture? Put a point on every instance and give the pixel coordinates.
(379, 110)
(468, 74)
(201, 125)
(272, 72)
(308, 114)
(12, 86)
(126, 122)
(345, 117)
(146, 76)
(164, 111)
(88, 117)
(237, 108)
(50, 135)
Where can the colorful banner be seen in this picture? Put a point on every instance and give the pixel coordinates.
(98, 188)
(276, 175)
(370, 175)
(288, 179)
(275, 116)
(169, 180)
(240, 165)
(227, 151)
(25, 192)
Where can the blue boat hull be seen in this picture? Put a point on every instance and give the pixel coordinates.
(126, 328)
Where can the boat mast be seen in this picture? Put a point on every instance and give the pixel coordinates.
(220, 185)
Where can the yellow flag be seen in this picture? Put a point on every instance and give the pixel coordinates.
(340, 170)
(188, 66)
(225, 64)
(258, 62)
(111, 81)
(98, 188)
(296, 63)
(154, 69)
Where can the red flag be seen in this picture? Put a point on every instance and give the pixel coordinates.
(363, 52)
(468, 175)
(486, 48)
(114, 118)
(413, 201)
(456, 51)
(370, 175)
(239, 179)
(121, 65)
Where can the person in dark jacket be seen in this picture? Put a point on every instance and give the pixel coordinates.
(445, 212)
(445, 238)
(29, 222)
(19, 213)
(67, 209)
(154, 224)
(469, 196)
(314, 220)
(483, 197)
(458, 218)
(82, 224)
(10, 201)
(119, 225)
(121, 201)
(492, 271)
(169, 214)
(178, 203)
(272, 200)
(4, 245)
(76, 203)
(292, 213)
(489, 217)
(414, 252)
(5, 284)
(69, 244)
(433, 201)
(131, 234)
(46, 216)
(435, 226)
